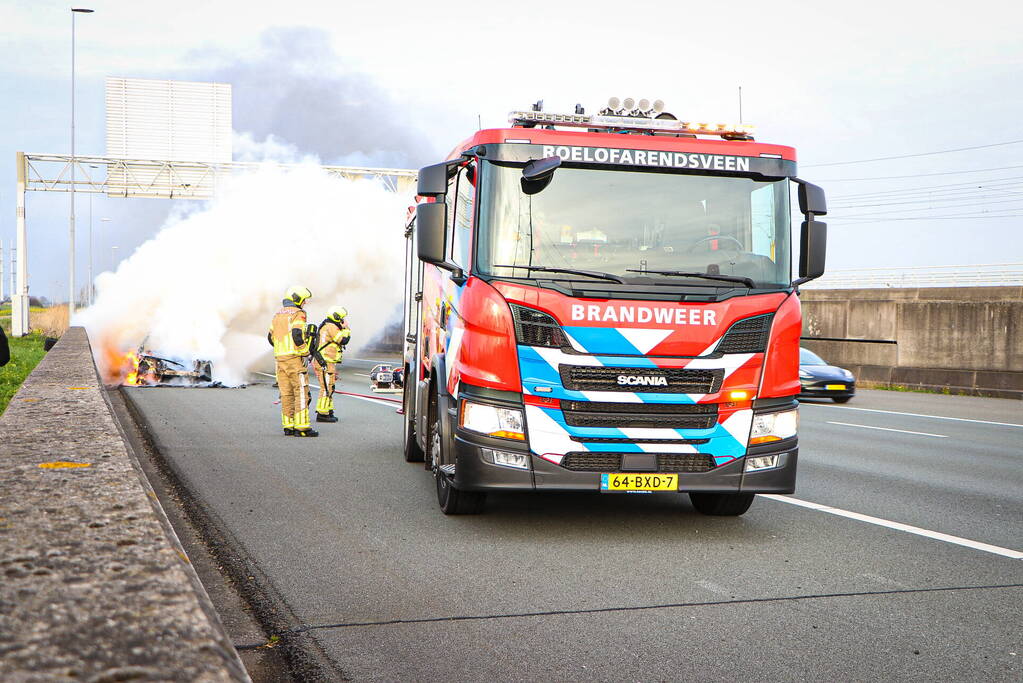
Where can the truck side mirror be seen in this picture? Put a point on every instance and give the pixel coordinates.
(538, 173)
(813, 243)
(811, 200)
(433, 180)
(431, 231)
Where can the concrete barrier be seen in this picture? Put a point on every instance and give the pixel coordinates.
(94, 585)
(960, 339)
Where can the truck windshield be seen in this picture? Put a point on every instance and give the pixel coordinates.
(614, 221)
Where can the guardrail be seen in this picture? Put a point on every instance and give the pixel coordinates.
(983, 275)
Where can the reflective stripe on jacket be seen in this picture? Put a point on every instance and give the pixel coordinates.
(329, 342)
(285, 320)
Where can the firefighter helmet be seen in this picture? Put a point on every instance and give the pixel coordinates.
(298, 294)
(337, 313)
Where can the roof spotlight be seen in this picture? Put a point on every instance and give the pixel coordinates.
(643, 105)
(628, 104)
(658, 106)
(614, 104)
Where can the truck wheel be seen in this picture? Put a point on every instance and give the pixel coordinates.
(721, 504)
(413, 453)
(841, 399)
(452, 501)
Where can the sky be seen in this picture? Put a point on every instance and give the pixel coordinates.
(400, 83)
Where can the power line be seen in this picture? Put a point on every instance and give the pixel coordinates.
(996, 199)
(918, 209)
(970, 185)
(870, 218)
(915, 175)
(875, 221)
(908, 156)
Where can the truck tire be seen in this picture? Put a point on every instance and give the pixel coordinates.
(452, 501)
(413, 453)
(721, 504)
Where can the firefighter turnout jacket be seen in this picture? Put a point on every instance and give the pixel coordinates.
(288, 332)
(331, 340)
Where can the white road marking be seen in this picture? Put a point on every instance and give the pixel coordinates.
(314, 386)
(887, 429)
(894, 412)
(371, 400)
(899, 526)
(360, 374)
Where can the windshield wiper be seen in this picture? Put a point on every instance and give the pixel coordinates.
(724, 278)
(570, 271)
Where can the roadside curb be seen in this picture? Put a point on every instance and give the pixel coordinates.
(95, 583)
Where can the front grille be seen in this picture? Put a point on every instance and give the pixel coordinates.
(748, 335)
(535, 328)
(657, 415)
(677, 380)
(612, 462)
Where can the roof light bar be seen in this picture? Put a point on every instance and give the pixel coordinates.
(625, 122)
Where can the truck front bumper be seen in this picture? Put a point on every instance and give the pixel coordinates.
(474, 473)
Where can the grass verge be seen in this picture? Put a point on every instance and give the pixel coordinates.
(26, 352)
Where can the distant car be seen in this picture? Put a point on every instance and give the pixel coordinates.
(821, 380)
(382, 377)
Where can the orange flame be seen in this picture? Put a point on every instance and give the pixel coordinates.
(131, 361)
(122, 367)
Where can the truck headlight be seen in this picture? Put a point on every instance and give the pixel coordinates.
(769, 427)
(504, 423)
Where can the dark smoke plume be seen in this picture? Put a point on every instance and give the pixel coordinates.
(296, 88)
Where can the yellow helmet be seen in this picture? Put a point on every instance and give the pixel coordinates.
(337, 313)
(298, 294)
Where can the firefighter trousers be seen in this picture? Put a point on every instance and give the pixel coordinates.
(325, 374)
(293, 380)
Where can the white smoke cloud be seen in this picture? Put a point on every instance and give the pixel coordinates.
(207, 285)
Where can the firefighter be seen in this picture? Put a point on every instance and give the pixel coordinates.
(332, 337)
(290, 336)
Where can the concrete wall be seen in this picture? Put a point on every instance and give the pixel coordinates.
(93, 582)
(965, 339)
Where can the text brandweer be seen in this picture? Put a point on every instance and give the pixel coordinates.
(644, 314)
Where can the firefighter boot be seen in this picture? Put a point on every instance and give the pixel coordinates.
(306, 432)
(289, 431)
(329, 417)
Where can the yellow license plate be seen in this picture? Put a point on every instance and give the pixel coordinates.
(835, 387)
(639, 482)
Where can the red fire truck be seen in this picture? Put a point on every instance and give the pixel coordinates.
(605, 302)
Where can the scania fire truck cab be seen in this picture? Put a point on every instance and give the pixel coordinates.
(605, 302)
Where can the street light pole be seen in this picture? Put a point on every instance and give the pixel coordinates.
(89, 290)
(71, 218)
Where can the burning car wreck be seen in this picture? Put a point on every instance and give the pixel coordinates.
(146, 368)
(156, 370)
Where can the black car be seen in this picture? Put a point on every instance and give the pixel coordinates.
(820, 380)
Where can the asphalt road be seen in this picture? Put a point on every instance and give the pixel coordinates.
(629, 587)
